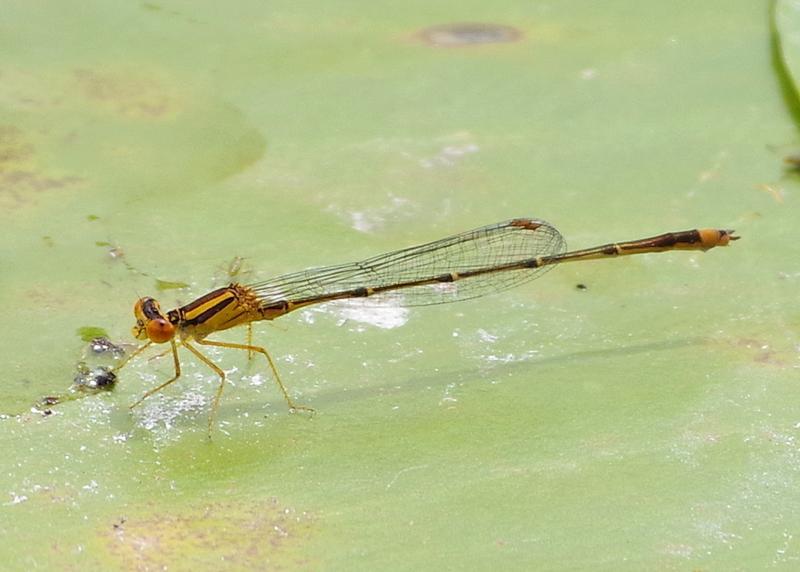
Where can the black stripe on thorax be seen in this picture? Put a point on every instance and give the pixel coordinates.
(203, 299)
(203, 316)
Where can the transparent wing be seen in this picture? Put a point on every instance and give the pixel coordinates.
(488, 247)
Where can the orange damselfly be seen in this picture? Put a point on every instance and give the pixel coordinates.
(463, 266)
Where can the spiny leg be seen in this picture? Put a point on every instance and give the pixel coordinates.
(249, 339)
(251, 348)
(166, 383)
(159, 355)
(132, 355)
(221, 375)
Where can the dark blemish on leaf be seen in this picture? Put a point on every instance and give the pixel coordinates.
(469, 34)
(14, 149)
(16, 187)
(127, 93)
(19, 177)
(261, 535)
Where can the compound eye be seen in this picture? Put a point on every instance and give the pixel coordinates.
(160, 330)
(137, 307)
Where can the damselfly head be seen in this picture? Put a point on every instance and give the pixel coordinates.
(151, 324)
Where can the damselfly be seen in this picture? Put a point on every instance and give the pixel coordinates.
(467, 265)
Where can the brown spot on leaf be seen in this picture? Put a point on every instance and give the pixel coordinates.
(252, 536)
(469, 34)
(758, 351)
(14, 149)
(19, 177)
(129, 94)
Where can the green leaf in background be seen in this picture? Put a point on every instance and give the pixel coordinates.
(164, 285)
(88, 333)
(787, 23)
